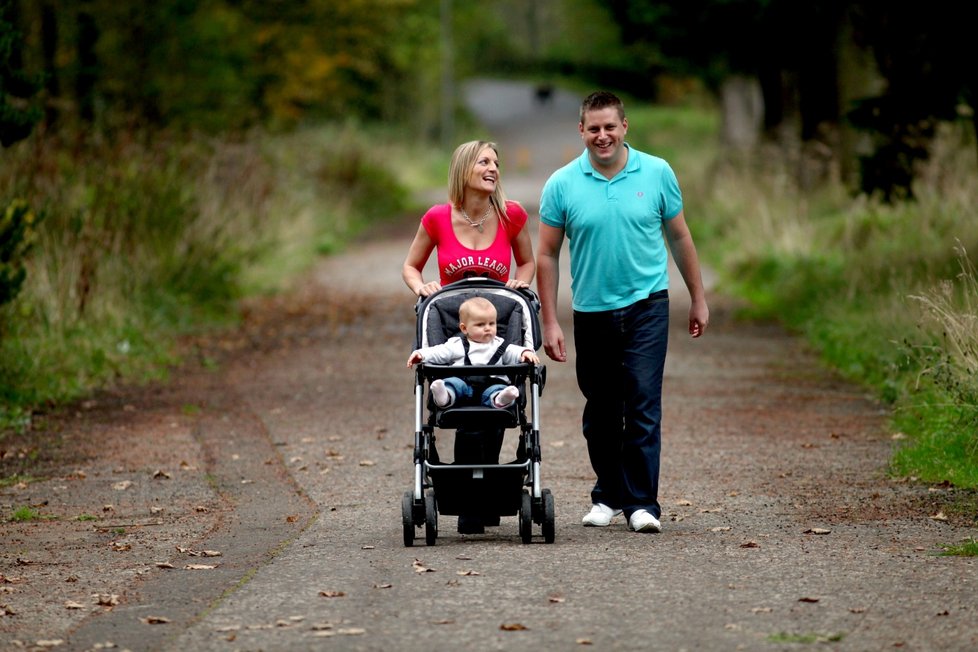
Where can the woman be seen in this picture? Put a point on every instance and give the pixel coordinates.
(477, 233)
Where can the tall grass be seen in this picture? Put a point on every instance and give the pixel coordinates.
(147, 236)
(886, 293)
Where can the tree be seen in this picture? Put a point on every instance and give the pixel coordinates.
(18, 112)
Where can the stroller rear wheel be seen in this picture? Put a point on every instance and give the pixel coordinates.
(407, 518)
(431, 518)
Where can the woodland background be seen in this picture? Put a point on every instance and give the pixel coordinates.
(161, 161)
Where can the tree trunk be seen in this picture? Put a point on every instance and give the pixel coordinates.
(743, 112)
(49, 48)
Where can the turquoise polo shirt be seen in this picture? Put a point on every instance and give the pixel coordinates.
(614, 227)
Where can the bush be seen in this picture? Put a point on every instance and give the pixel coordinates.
(17, 234)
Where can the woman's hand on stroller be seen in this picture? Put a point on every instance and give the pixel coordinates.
(427, 289)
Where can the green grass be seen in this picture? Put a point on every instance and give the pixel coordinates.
(966, 549)
(807, 638)
(87, 517)
(24, 514)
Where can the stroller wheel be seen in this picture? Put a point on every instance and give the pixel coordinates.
(407, 503)
(431, 518)
(526, 518)
(549, 528)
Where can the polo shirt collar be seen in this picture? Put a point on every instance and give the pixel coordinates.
(630, 166)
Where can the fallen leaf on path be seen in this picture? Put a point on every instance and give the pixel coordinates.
(555, 599)
(155, 620)
(469, 573)
(583, 641)
(750, 544)
(513, 627)
(720, 528)
(71, 604)
(939, 516)
(106, 599)
(122, 486)
(808, 599)
(444, 621)
(367, 547)
(161, 474)
(684, 503)
(332, 594)
(385, 585)
(463, 558)
(121, 546)
(817, 530)
(49, 642)
(367, 462)
(199, 567)
(761, 610)
(164, 564)
(419, 567)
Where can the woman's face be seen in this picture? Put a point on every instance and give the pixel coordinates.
(485, 173)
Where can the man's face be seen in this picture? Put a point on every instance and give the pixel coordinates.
(603, 132)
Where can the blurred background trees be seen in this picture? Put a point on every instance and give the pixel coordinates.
(854, 88)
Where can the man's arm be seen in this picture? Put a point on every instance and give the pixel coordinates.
(684, 252)
(549, 241)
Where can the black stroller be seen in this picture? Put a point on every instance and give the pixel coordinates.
(487, 490)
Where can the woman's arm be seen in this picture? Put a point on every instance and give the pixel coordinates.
(417, 257)
(523, 255)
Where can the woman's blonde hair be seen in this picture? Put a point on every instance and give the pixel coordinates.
(463, 160)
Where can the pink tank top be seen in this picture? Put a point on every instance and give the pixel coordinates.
(456, 261)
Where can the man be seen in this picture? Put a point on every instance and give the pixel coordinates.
(618, 207)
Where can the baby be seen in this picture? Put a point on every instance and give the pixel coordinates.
(478, 345)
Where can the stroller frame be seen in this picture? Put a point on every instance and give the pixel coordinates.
(489, 490)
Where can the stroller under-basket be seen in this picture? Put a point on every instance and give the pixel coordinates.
(486, 490)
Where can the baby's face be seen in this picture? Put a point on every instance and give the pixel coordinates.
(480, 325)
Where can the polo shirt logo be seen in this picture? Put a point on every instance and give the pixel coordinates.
(640, 194)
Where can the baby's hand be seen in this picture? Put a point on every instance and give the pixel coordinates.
(530, 356)
(414, 359)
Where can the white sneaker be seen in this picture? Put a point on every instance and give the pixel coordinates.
(642, 521)
(599, 516)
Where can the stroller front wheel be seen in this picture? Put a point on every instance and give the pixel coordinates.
(431, 518)
(526, 518)
(548, 526)
(407, 518)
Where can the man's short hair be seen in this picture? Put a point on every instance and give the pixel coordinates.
(602, 100)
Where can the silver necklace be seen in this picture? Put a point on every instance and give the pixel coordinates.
(473, 223)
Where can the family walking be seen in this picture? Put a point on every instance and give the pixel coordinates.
(621, 211)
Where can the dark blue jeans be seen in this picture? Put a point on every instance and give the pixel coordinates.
(621, 355)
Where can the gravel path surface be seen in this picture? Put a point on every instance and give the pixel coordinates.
(257, 507)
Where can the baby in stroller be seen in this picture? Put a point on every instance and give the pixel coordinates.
(477, 345)
(475, 352)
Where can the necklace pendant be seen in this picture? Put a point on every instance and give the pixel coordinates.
(479, 227)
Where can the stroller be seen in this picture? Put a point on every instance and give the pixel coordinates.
(487, 490)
